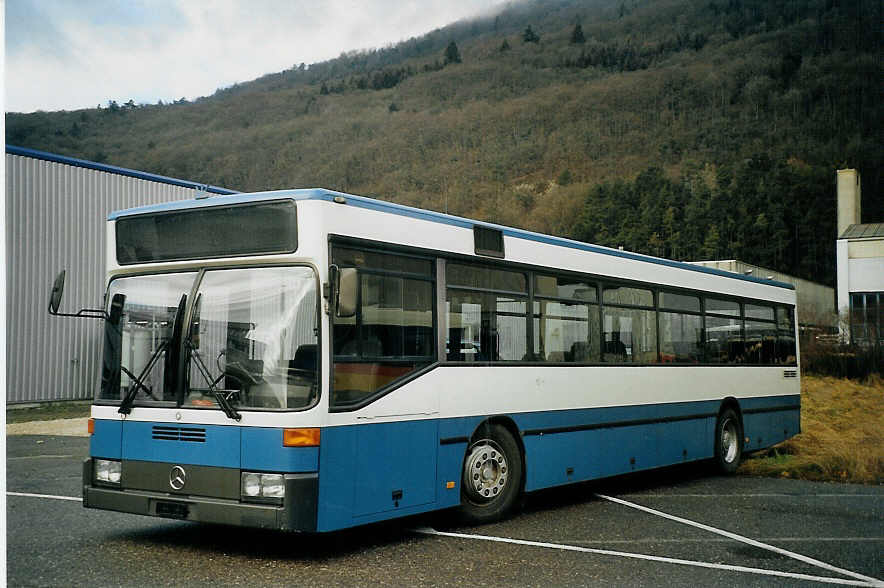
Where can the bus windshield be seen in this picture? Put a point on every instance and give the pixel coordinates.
(251, 334)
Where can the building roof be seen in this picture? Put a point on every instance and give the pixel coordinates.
(132, 173)
(863, 231)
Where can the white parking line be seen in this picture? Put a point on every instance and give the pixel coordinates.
(759, 495)
(802, 558)
(708, 540)
(670, 560)
(53, 497)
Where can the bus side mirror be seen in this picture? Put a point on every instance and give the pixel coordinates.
(347, 282)
(57, 291)
(55, 302)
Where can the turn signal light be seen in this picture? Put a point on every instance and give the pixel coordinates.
(90, 426)
(300, 437)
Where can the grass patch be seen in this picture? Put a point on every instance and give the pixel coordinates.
(842, 438)
(48, 412)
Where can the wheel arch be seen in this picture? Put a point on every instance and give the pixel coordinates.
(733, 404)
(510, 425)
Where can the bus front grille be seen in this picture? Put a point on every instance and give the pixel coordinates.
(166, 433)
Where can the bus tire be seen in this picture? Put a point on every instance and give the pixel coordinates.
(728, 441)
(492, 476)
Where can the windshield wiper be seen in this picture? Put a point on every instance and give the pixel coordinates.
(169, 344)
(126, 404)
(222, 396)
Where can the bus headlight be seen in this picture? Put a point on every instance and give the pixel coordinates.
(263, 487)
(107, 471)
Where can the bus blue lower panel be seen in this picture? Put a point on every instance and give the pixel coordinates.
(106, 439)
(262, 451)
(562, 458)
(377, 471)
(769, 420)
(207, 445)
(560, 447)
(573, 446)
(257, 449)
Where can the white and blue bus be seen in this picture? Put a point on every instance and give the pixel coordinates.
(309, 360)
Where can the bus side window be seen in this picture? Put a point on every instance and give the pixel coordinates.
(391, 333)
(487, 314)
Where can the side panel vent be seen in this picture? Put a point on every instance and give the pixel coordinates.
(790, 373)
(488, 241)
(166, 433)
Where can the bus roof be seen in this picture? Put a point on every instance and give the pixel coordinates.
(427, 215)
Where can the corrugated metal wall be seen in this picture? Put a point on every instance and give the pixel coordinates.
(55, 219)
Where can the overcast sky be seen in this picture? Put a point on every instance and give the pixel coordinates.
(69, 54)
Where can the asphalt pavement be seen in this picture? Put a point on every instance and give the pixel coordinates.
(679, 526)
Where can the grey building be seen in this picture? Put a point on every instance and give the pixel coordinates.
(815, 302)
(56, 212)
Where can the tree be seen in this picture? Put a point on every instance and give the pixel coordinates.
(577, 35)
(505, 46)
(710, 244)
(529, 36)
(452, 55)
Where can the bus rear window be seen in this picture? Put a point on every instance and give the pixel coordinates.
(225, 231)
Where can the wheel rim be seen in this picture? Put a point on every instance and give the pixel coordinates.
(486, 471)
(729, 441)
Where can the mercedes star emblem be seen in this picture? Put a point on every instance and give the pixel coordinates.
(177, 477)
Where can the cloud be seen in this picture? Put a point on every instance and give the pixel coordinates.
(64, 55)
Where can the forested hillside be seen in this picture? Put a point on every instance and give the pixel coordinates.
(686, 129)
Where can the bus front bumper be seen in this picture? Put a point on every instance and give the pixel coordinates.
(297, 513)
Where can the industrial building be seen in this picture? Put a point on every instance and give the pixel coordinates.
(56, 211)
(859, 252)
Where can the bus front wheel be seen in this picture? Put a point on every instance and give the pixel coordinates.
(728, 441)
(492, 476)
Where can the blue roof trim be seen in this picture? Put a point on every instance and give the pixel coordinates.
(436, 217)
(132, 173)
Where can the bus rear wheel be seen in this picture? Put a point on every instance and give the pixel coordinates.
(728, 441)
(492, 476)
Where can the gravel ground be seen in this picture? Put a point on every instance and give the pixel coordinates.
(64, 427)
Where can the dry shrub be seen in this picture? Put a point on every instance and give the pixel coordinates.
(842, 438)
(841, 361)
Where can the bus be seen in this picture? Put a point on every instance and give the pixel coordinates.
(309, 360)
